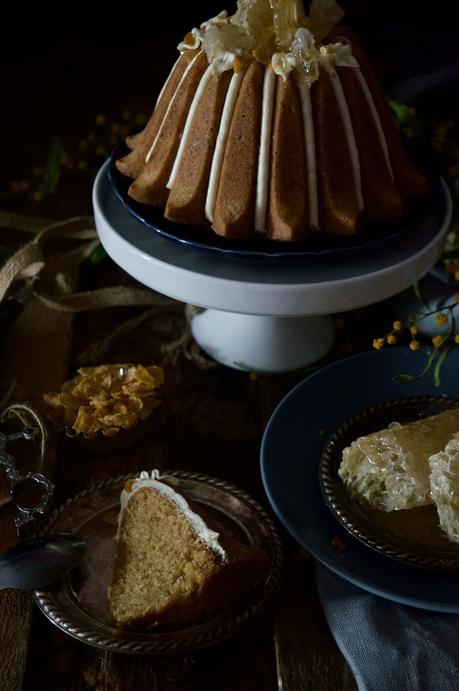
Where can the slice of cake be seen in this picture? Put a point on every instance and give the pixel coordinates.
(171, 568)
(389, 469)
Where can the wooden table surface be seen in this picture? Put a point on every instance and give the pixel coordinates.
(72, 107)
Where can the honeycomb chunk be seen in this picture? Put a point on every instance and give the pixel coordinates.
(444, 487)
(389, 469)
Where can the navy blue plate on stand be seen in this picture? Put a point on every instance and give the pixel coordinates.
(290, 454)
(317, 247)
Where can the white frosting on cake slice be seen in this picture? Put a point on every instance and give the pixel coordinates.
(152, 481)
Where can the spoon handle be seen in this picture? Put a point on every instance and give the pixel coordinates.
(37, 563)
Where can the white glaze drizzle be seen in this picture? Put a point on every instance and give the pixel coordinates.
(348, 129)
(220, 144)
(261, 200)
(376, 118)
(167, 80)
(310, 151)
(171, 103)
(186, 130)
(198, 34)
(203, 532)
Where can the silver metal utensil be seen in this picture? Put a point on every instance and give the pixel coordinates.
(38, 563)
(30, 492)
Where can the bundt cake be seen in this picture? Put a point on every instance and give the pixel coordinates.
(272, 123)
(171, 569)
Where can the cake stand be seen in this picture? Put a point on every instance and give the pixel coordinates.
(265, 315)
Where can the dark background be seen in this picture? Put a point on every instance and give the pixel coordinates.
(62, 67)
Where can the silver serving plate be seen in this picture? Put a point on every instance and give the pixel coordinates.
(411, 536)
(78, 604)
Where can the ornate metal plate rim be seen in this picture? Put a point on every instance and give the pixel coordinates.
(343, 511)
(62, 609)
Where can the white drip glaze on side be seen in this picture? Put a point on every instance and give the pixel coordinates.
(171, 103)
(310, 150)
(167, 80)
(261, 200)
(348, 129)
(220, 144)
(203, 532)
(376, 118)
(186, 130)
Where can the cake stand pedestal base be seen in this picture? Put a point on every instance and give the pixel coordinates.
(262, 344)
(265, 314)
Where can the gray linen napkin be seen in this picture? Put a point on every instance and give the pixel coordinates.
(390, 647)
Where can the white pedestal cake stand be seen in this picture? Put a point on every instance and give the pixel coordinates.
(265, 315)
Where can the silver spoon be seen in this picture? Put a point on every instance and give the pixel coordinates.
(38, 563)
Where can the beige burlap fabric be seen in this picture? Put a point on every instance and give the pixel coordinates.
(50, 281)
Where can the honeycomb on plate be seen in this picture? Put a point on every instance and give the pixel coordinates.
(389, 469)
(444, 487)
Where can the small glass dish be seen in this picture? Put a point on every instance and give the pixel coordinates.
(107, 408)
(410, 536)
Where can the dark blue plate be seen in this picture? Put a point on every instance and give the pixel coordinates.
(290, 454)
(317, 246)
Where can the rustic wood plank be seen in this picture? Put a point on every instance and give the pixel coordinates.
(307, 656)
(16, 609)
(240, 663)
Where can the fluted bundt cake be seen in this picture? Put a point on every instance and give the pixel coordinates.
(171, 568)
(272, 123)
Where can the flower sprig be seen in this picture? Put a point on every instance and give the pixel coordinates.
(443, 341)
(443, 139)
